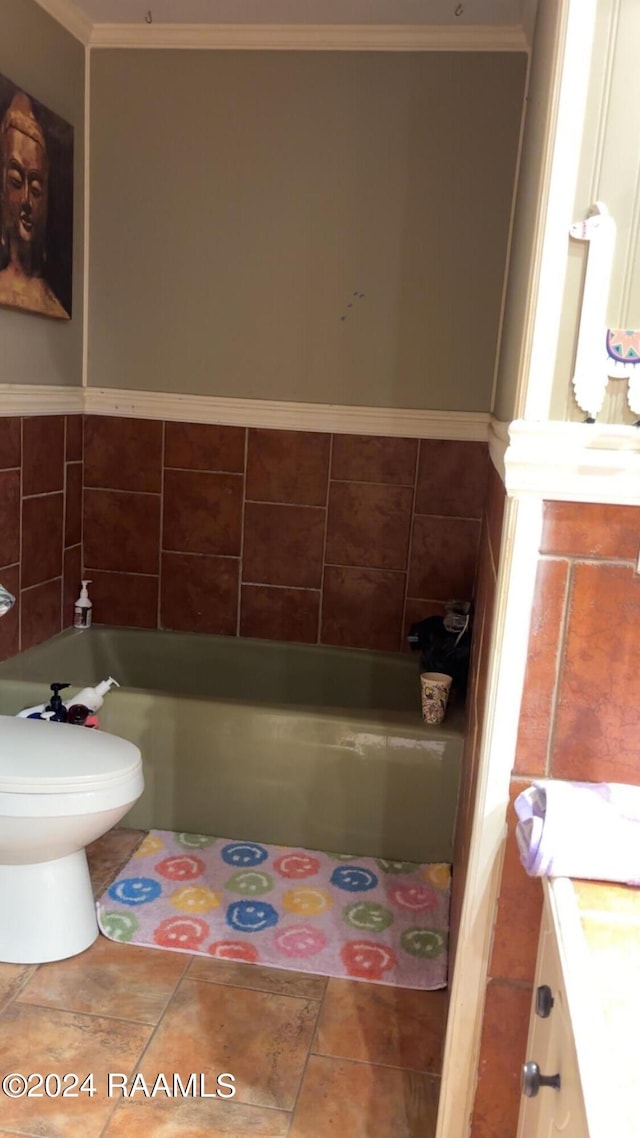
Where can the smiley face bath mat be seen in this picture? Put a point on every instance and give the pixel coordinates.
(331, 914)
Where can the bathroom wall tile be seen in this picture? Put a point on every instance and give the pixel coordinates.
(42, 454)
(40, 613)
(129, 600)
(215, 1028)
(503, 1046)
(264, 979)
(121, 531)
(452, 478)
(375, 1024)
(362, 608)
(9, 516)
(443, 558)
(279, 614)
(369, 458)
(42, 526)
(49, 1040)
(71, 578)
(204, 446)
(283, 545)
(122, 454)
(368, 525)
(199, 594)
(494, 510)
(588, 529)
(74, 435)
(202, 512)
(515, 944)
(73, 504)
(10, 447)
(10, 622)
(110, 979)
(598, 716)
(195, 1118)
(545, 634)
(360, 1100)
(288, 466)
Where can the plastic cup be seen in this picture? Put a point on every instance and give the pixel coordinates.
(435, 688)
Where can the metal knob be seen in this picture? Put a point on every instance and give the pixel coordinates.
(532, 1080)
(544, 1001)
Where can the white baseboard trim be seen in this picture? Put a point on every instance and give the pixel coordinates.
(16, 399)
(324, 417)
(40, 399)
(573, 462)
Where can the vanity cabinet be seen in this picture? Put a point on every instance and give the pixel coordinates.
(554, 1106)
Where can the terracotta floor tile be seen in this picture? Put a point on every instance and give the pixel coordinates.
(239, 975)
(195, 1118)
(112, 979)
(108, 854)
(262, 1039)
(359, 1100)
(51, 1041)
(377, 1024)
(13, 977)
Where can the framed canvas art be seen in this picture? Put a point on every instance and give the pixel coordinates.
(36, 205)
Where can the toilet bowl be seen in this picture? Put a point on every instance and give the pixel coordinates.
(61, 787)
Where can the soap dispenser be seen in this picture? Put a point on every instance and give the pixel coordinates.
(82, 608)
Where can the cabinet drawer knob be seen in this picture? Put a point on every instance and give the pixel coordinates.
(532, 1080)
(544, 1001)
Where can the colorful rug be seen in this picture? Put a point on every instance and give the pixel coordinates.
(330, 914)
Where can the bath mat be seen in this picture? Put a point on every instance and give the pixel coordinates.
(329, 914)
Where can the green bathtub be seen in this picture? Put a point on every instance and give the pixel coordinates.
(297, 745)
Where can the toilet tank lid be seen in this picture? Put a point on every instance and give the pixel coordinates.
(35, 752)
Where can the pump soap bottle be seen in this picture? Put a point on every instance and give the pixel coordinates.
(82, 609)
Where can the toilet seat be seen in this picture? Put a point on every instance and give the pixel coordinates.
(38, 757)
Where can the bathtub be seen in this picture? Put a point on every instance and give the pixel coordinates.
(293, 744)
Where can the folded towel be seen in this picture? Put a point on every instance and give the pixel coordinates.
(580, 829)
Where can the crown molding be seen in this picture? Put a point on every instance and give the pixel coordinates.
(574, 462)
(64, 12)
(307, 37)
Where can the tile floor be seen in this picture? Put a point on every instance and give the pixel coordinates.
(311, 1058)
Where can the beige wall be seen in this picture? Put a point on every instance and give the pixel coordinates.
(609, 172)
(48, 63)
(529, 204)
(239, 200)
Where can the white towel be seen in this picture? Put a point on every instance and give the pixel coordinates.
(580, 829)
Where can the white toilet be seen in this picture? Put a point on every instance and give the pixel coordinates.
(61, 787)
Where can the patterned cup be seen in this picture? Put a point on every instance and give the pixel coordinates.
(435, 693)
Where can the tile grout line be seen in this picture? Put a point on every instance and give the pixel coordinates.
(559, 668)
(325, 538)
(384, 1066)
(242, 531)
(308, 1056)
(163, 448)
(403, 627)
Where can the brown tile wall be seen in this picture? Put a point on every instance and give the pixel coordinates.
(288, 535)
(483, 620)
(40, 525)
(579, 719)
